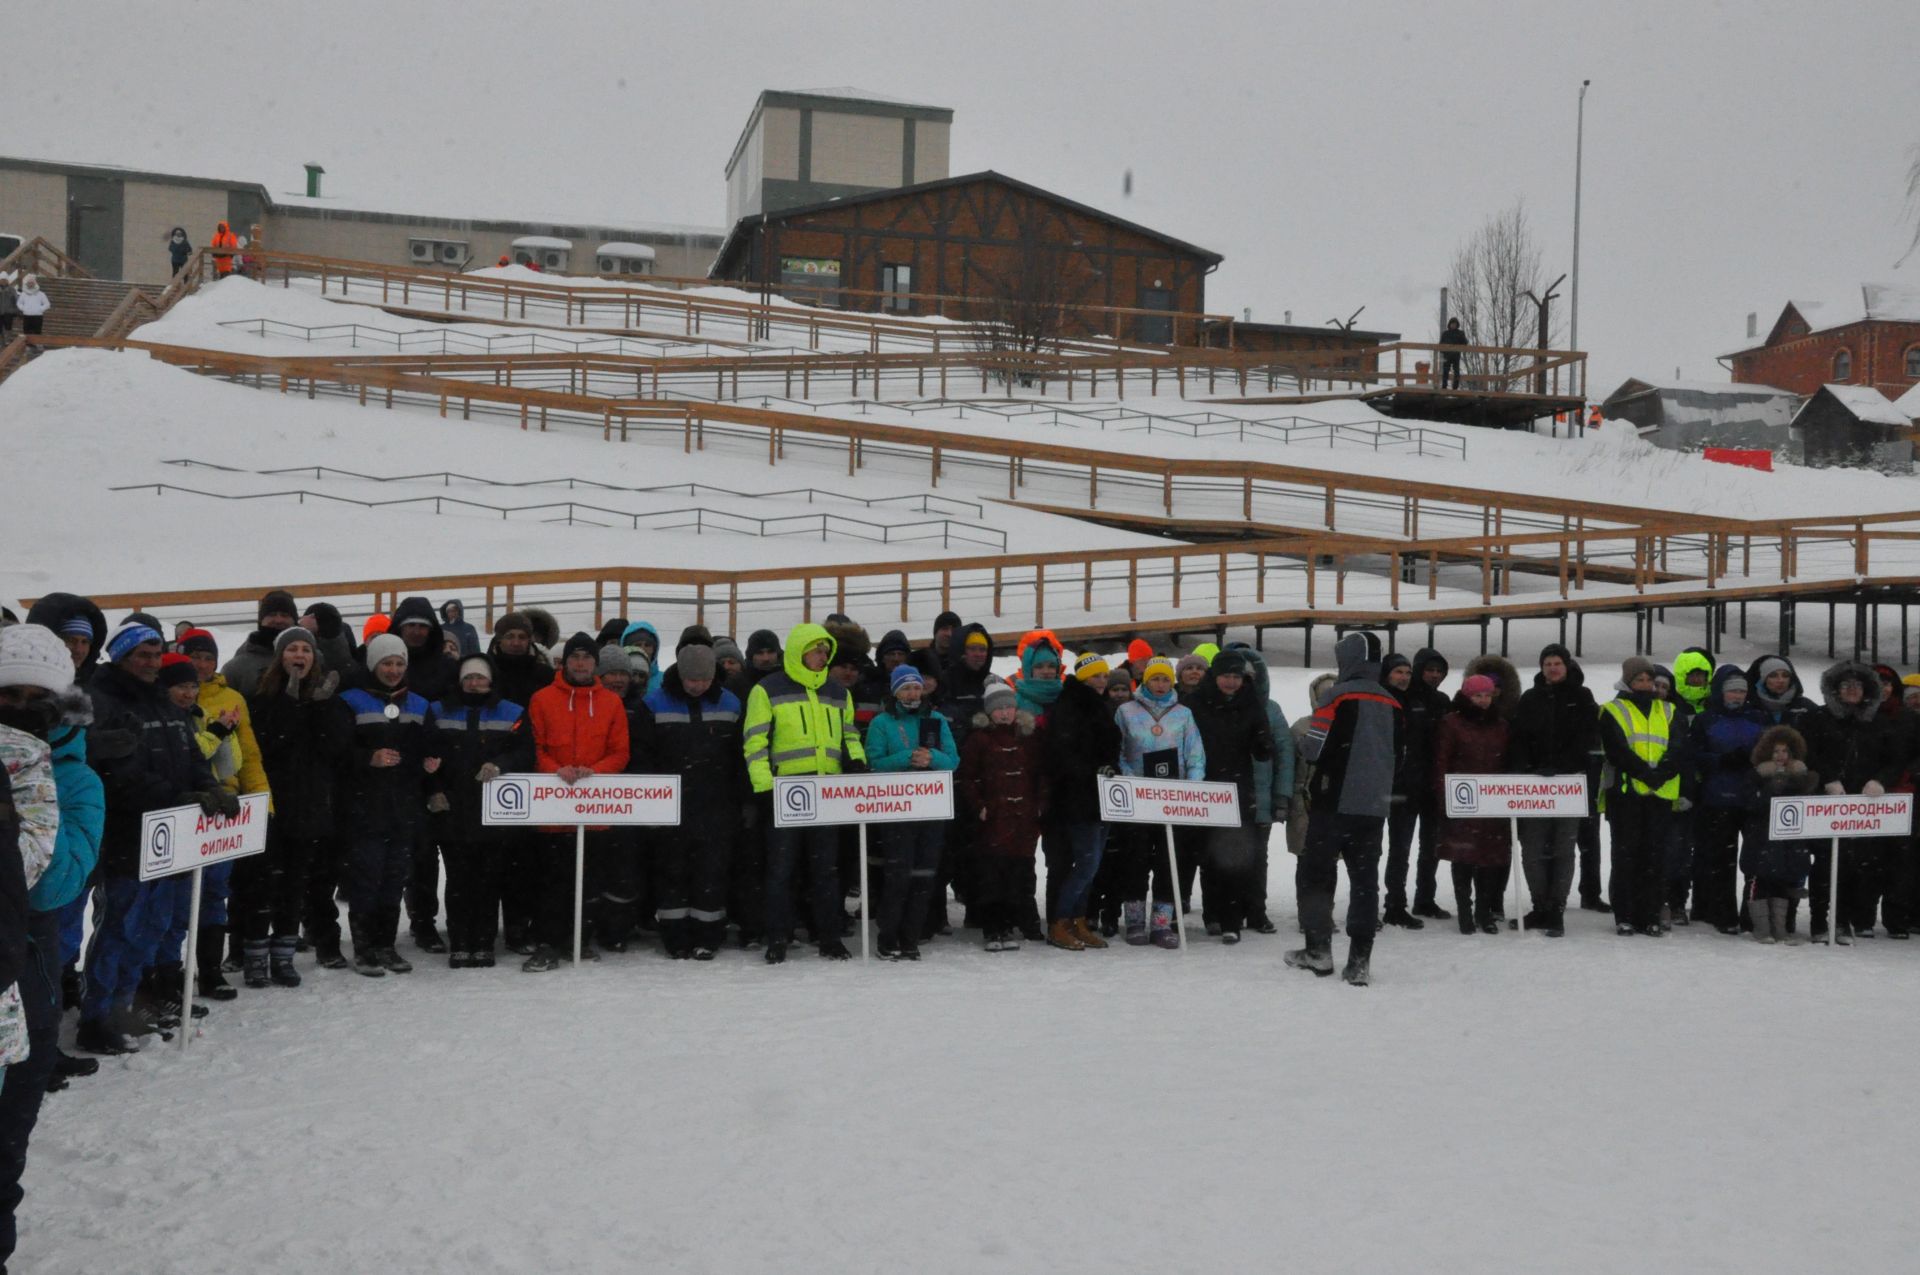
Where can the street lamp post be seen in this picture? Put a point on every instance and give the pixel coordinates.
(1579, 143)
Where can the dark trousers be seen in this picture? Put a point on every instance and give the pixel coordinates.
(1478, 891)
(747, 882)
(129, 916)
(1400, 833)
(26, 1081)
(1716, 849)
(1332, 839)
(1592, 889)
(820, 848)
(1547, 855)
(623, 871)
(423, 882)
(1003, 892)
(520, 882)
(377, 869)
(30, 324)
(909, 861)
(324, 871)
(1141, 849)
(553, 925)
(1190, 849)
(1225, 870)
(473, 891)
(1872, 864)
(1257, 874)
(1902, 879)
(1084, 850)
(1679, 871)
(1640, 844)
(1449, 371)
(270, 889)
(690, 887)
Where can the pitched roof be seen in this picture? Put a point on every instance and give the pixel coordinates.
(1910, 403)
(1866, 404)
(1875, 302)
(744, 226)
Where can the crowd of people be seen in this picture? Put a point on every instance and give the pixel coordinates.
(374, 748)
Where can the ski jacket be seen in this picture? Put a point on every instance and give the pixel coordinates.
(389, 800)
(1356, 738)
(1081, 739)
(1273, 779)
(894, 734)
(216, 697)
(28, 763)
(471, 732)
(1159, 741)
(305, 744)
(1235, 737)
(698, 739)
(1555, 726)
(83, 816)
(797, 723)
(1720, 747)
(164, 769)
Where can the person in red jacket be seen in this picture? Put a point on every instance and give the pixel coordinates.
(1002, 783)
(579, 730)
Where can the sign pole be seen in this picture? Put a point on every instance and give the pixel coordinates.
(1518, 859)
(1173, 871)
(1833, 894)
(579, 885)
(866, 937)
(188, 963)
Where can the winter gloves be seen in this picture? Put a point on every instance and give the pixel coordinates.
(217, 801)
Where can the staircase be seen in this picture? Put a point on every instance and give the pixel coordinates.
(81, 306)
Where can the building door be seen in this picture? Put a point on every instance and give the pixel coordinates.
(1149, 327)
(96, 211)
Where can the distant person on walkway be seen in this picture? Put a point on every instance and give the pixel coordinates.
(1450, 359)
(179, 247)
(9, 307)
(33, 305)
(225, 245)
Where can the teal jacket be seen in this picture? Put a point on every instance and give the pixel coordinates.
(894, 733)
(83, 818)
(1274, 777)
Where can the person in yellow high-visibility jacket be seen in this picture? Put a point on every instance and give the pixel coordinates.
(1644, 755)
(799, 724)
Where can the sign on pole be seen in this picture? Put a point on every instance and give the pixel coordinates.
(1190, 802)
(188, 839)
(1516, 796)
(550, 801)
(903, 796)
(1835, 819)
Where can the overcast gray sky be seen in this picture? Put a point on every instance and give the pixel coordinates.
(1737, 154)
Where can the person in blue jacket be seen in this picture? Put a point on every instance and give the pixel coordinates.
(1721, 742)
(907, 735)
(693, 731)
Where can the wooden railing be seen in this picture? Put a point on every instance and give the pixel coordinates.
(140, 308)
(38, 257)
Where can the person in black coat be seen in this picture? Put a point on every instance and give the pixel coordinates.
(1553, 731)
(304, 733)
(1422, 705)
(79, 624)
(432, 674)
(519, 668)
(695, 733)
(481, 737)
(1855, 751)
(1234, 731)
(1081, 743)
(277, 611)
(1455, 335)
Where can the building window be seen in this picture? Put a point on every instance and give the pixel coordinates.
(814, 280)
(1842, 367)
(898, 282)
(1913, 362)
(437, 252)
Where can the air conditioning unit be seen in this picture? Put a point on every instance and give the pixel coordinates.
(421, 250)
(451, 253)
(609, 266)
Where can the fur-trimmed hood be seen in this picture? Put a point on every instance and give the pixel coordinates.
(1023, 722)
(1851, 669)
(1507, 702)
(1772, 736)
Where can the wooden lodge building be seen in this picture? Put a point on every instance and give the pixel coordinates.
(983, 235)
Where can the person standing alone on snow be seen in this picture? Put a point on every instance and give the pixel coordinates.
(1354, 744)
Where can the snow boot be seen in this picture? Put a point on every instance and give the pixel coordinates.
(426, 935)
(834, 950)
(1134, 917)
(1164, 933)
(391, 961)
(1431, 909)
(1010, 940)
(280, 952)
(367, 961)
(236, 952)
(1554, 922)
(1061, 934)
(1359, 959)
(257, 964)
(1314, 957)
(776, 954)
(328, 956)
(1779, 912)
(1398, 915)
(213, 983)
(1761, 912)
(544, 958)
(100, 1036)
(1083, 930)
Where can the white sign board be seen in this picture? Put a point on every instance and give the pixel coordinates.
(1822, 818)
(801, 801)
(1126, 799)
(186, 837)
(1516, 796)
(549, 801)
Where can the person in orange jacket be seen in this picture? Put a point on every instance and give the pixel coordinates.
(225, 245)
(579, 730)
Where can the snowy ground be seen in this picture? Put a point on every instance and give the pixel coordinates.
(1588, 1104)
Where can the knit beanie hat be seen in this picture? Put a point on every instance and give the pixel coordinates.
(1089, 665)
(945, 620)
(383, 646)
(291, 634)
(123, 639)
(176, 670)
(1734, 682)
(580, 642)
(696, 663)
(725, 648)
(762, 640)
(1158, 666)
(376, 625)
(1193, 659)
(977, 638)
(1479, 684)
(999, 695)
(77, 626)
(278, 602)
(1633, 666)
(904, 675)
(198, 641)
(476, 665)
(1229, 663)
(1037, 654)
(614, 659)
(31, 655)
(893, 640)
(642, 667)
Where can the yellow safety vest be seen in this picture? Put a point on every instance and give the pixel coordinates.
(1648, 739)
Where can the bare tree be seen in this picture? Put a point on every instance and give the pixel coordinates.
(1487, 291)
(1031, 298)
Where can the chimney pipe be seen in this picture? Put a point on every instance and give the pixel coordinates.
(313, 180)
(1753, 324)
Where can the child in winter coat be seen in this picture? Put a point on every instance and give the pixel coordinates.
(1317, 693)
(1001, 779)
(1776, 870)
(908, 736)
(1472, 740)
(1158, 740)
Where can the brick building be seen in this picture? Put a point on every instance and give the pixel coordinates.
(983, 235)
(1872, 340)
